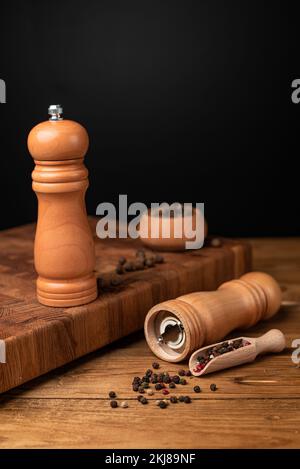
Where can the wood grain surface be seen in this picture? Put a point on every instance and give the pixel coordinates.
(256, 405)
(40, 338)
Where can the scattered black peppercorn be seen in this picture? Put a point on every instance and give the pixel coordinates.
(139, 265)
(163, 404)
(136, 379)
(149, 263)
(140, 253)
(213, 387)
(122, 260)
(113, 404)
(115, 281)
(119, 270)
(158, 259)
(188, 373)
(128, 266)
(112, 394)
(159, 381)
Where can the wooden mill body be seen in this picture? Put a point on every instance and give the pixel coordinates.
(205, 317)
(64, 249)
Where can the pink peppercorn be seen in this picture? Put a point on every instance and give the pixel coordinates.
(165, 391)
(199, 367)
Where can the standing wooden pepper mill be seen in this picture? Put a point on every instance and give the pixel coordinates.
(64, 249)
(176, 328)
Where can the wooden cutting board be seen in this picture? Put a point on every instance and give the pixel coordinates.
(35, 339)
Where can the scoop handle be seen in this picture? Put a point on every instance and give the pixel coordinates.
(273, 341)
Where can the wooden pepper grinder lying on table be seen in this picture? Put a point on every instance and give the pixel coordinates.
(64, 249)
(176, 328)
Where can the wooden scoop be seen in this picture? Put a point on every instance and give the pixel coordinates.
(272, 341)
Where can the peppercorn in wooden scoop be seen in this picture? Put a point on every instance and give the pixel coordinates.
(235, 352)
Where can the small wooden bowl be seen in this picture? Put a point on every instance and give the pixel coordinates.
(168, 225)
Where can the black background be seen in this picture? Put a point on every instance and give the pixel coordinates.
(183, 101)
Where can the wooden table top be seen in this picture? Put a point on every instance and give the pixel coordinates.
(256, 405)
